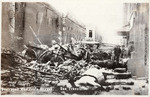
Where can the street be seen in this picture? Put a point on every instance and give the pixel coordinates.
(47, 50)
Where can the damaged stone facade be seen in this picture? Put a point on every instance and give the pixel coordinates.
(137, 15)
(43, 20)
(36, 18)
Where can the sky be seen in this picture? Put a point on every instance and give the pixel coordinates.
(106, 16)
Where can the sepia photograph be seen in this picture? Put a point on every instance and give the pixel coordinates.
(74, 47)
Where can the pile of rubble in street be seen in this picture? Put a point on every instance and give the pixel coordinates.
(62, 69)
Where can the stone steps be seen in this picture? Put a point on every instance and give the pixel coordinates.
(124, 75)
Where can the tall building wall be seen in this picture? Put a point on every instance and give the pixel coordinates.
(18, 17)
(72, 29)
(8, 25)
(30, 18)
(43, 20)
(138, 64)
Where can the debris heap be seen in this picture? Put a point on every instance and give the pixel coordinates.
(26, 70)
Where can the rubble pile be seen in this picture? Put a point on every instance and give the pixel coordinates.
(19, 70)
(13, 74)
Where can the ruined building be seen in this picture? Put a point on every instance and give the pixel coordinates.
(23, 22)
